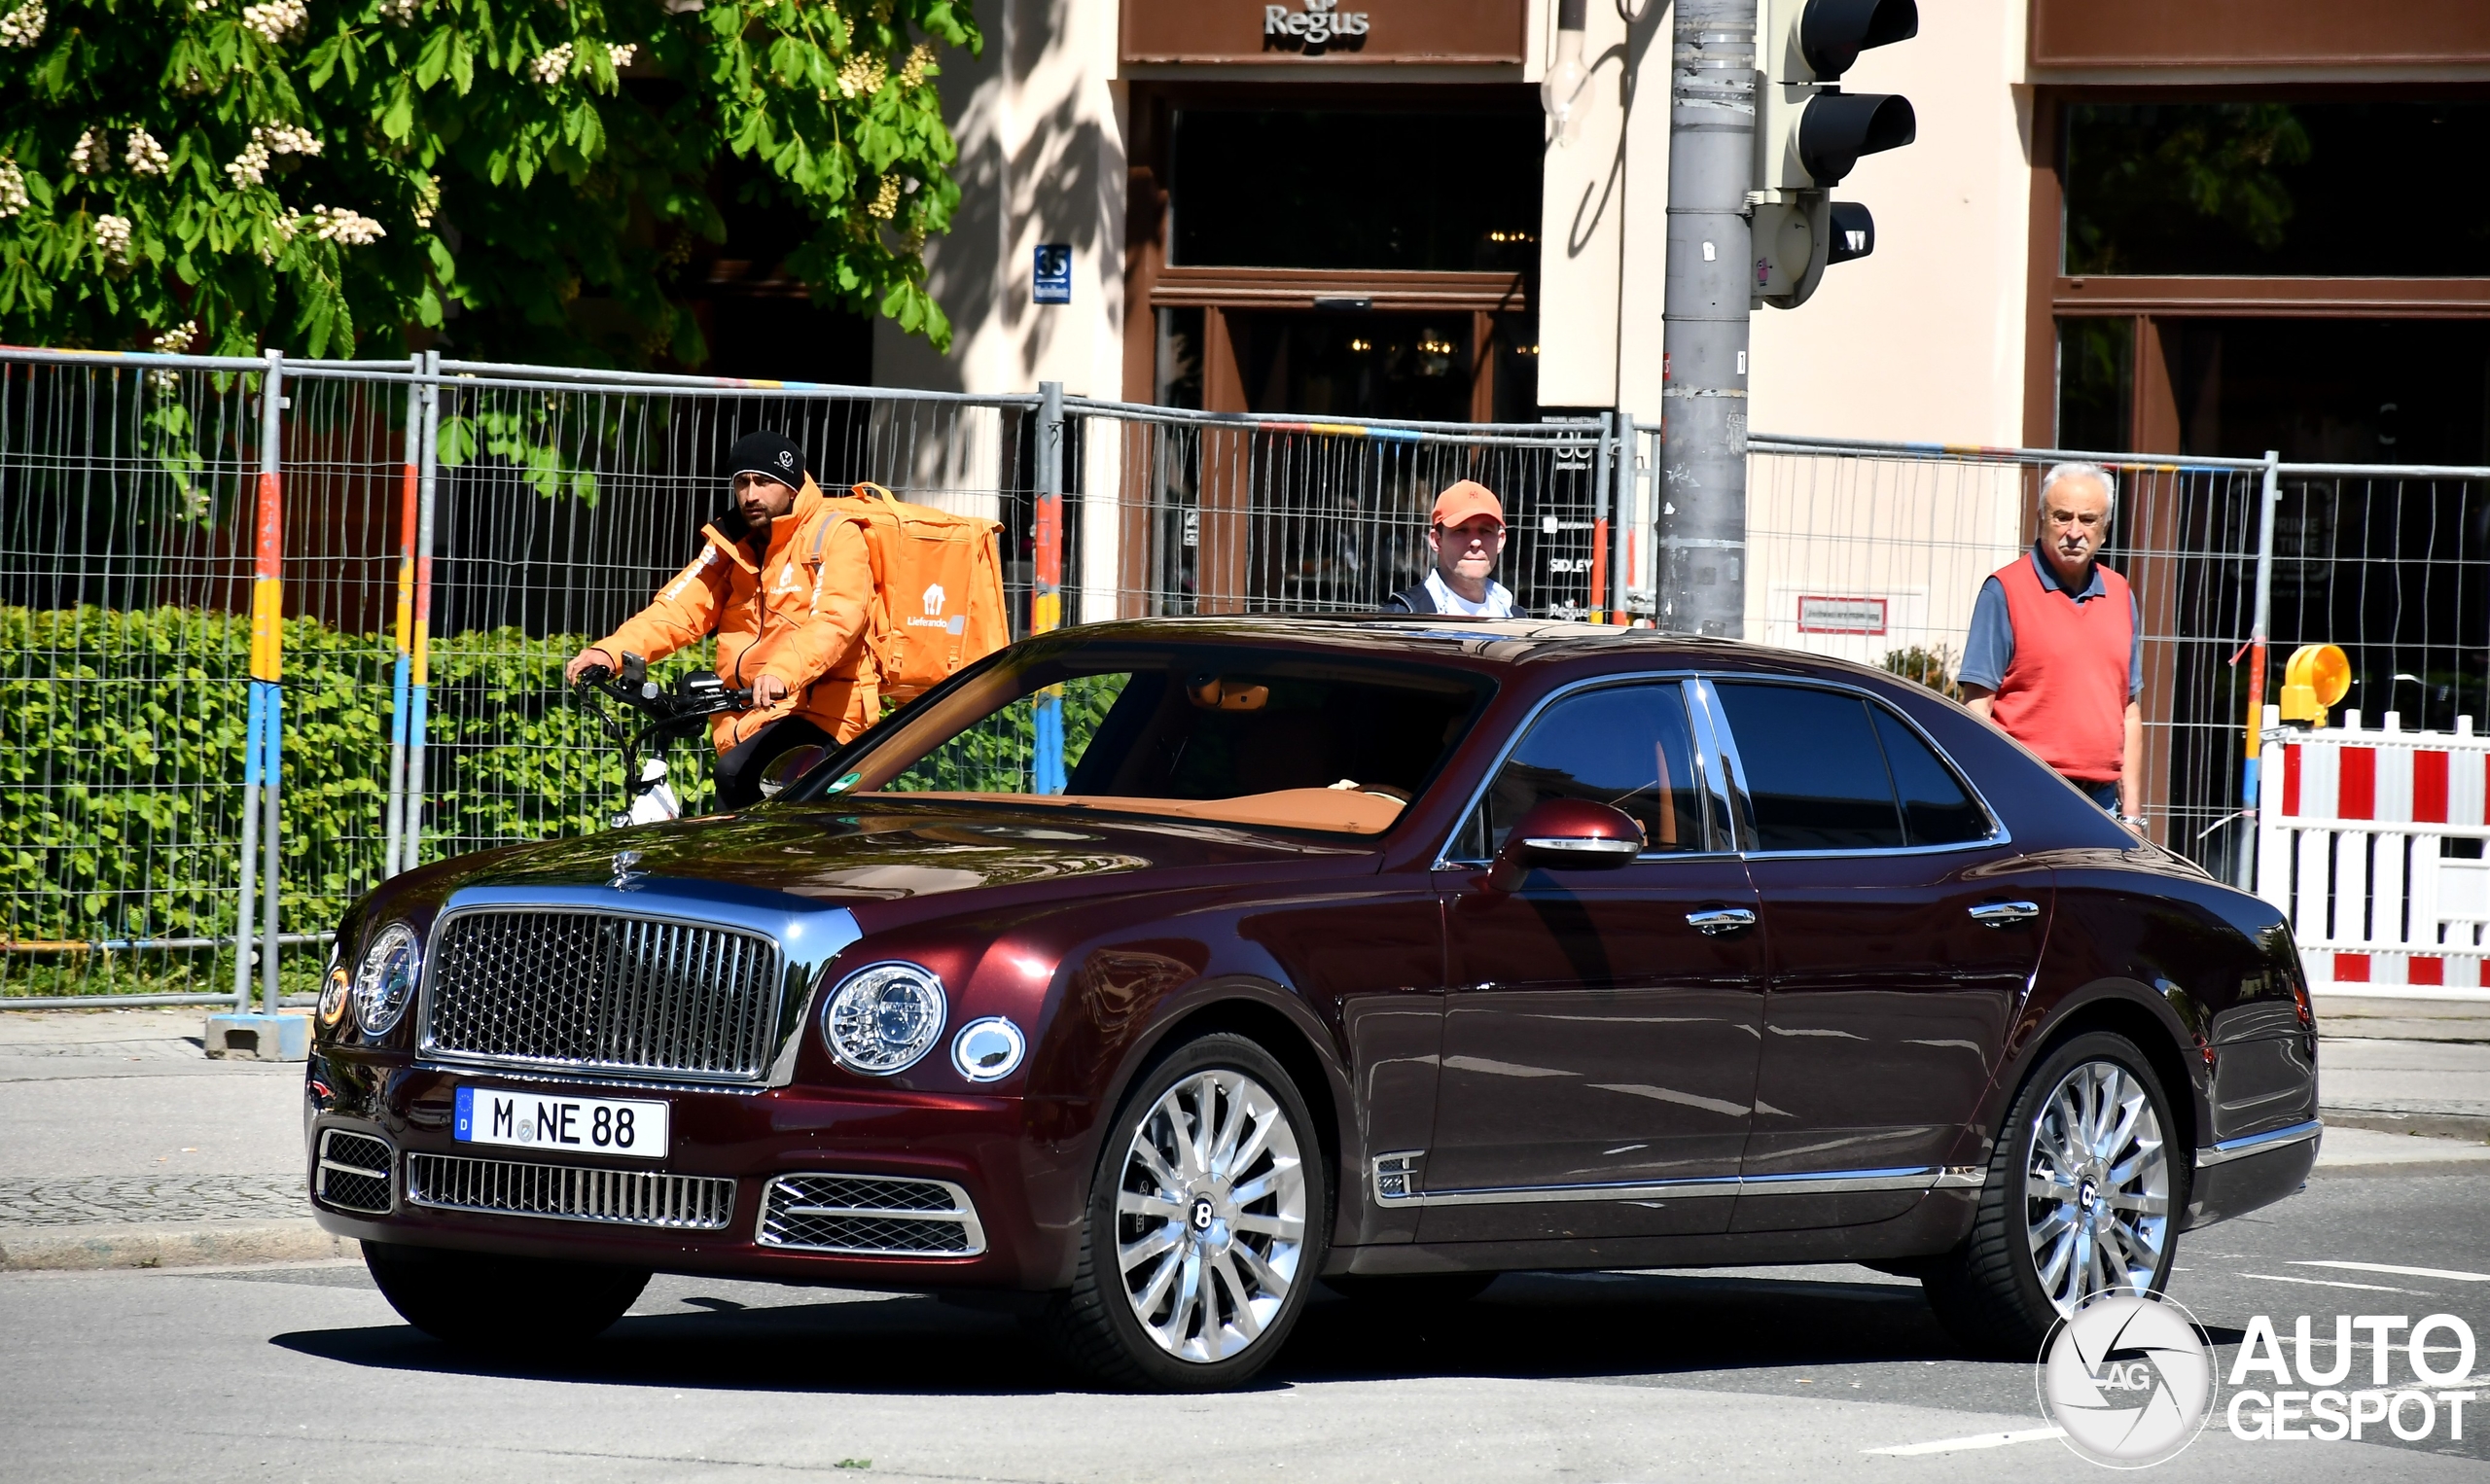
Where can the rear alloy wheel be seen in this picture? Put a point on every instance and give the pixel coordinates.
(1205, 1225)
(482, 1301)
(2080, 1200)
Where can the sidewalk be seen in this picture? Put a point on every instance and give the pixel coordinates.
(123, 1146)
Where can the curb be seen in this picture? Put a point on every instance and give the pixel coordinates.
(167, 1244)
(2472, 1128)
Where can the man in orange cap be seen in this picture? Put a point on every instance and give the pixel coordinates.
(1467, 534)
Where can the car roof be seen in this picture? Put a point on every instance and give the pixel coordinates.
(1476, 643)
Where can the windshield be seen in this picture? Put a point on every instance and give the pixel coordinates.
(1231, 735)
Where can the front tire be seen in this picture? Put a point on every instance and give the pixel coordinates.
(1205, 1227)
(2081, 1199)
(480, 1301)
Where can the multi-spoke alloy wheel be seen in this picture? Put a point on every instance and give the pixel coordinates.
(1210, 1216)
(2097, 1187)
(1206, 1225)
(2081, 1198)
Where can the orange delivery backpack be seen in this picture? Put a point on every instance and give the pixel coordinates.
(938, 585)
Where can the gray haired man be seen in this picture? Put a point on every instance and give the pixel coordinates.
(2055, 658)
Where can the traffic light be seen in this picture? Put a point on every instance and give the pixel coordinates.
(1809, 134)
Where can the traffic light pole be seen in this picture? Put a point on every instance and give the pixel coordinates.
(1703, 467)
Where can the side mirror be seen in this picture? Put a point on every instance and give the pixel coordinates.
(782, 771)
(1565, 835)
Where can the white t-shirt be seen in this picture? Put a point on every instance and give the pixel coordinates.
(1499, 604)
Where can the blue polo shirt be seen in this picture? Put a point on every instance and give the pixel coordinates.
(1991, 647)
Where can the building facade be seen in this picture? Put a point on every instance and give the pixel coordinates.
(2124, 223)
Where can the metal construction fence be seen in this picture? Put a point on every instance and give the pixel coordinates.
(360, 592)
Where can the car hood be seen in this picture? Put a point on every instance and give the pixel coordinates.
(890, 853)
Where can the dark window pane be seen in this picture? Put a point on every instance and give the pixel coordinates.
(1815, 774)
(1625, 746)
(1936, 809)
(2096, 389)
(2252, 188)
(1333, 190)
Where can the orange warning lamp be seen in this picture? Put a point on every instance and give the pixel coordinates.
(2315, 678)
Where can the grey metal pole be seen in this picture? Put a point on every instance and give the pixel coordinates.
(1704, 471)
(269, 608)
(410, 831)
(2269, 497)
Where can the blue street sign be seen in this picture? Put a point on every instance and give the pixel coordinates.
(1054, 282)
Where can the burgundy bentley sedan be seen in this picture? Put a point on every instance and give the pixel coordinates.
(1147, 973)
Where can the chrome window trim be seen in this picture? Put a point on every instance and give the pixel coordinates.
(971, 1230)
(1445, 860)
(807, 936)
(1405, 1164)
(2260, 1144)
(1998, 833)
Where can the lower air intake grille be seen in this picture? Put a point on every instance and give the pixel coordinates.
(869, 1216)
(570, 1192)
(353, 1173)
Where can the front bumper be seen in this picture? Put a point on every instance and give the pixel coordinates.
(2240, 1175)
(705, 1208)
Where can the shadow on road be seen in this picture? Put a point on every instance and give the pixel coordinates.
(1529, 1326)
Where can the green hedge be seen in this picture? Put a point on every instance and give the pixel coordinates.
(121, 776)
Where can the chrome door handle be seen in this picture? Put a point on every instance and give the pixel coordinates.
(2004, 914)
(1712, 922)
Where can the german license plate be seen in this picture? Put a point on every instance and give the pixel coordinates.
(541, 1121)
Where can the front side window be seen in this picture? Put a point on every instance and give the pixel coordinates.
(1623, 745)
(1227, 735)
(1827, 771)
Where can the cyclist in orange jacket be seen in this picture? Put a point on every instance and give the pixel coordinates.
(786, 584)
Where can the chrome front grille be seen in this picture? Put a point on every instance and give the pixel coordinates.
(871, 1216)
(570, 1192)
(587, 990)
(353, 1172)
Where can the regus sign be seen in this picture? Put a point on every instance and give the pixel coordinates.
(1320, 22)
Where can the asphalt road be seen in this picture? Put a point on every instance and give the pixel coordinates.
(302, 1372)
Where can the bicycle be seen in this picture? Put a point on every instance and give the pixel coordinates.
(678, 712)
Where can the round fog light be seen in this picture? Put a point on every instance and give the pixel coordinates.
(883, 1017)
(988, 1050)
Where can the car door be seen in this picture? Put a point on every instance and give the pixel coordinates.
(1904, 927)
(1600, 1031)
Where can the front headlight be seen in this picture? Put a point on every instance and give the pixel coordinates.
(385, 984)
(882, 1017)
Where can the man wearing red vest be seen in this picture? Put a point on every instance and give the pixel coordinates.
(2055, 658)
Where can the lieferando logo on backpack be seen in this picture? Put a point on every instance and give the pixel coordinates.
(2129, 1379)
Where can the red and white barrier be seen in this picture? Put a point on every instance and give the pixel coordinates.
(2358, 839)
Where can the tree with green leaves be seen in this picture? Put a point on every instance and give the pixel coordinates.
(323, 175)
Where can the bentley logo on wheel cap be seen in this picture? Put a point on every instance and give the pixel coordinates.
(624, 875)
(1202, 1214)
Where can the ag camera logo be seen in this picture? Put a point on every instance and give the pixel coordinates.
(2128, 1380)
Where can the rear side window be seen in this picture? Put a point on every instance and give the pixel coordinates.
(1622, 745)
(1814, 771)
(1936, 809)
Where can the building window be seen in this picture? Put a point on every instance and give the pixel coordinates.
(1307, 188)
(2276, 188)
(2096, 383)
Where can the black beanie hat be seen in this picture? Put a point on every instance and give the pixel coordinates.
(774, 454)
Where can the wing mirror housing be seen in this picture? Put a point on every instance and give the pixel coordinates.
(1565, 835)
(784, 770)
